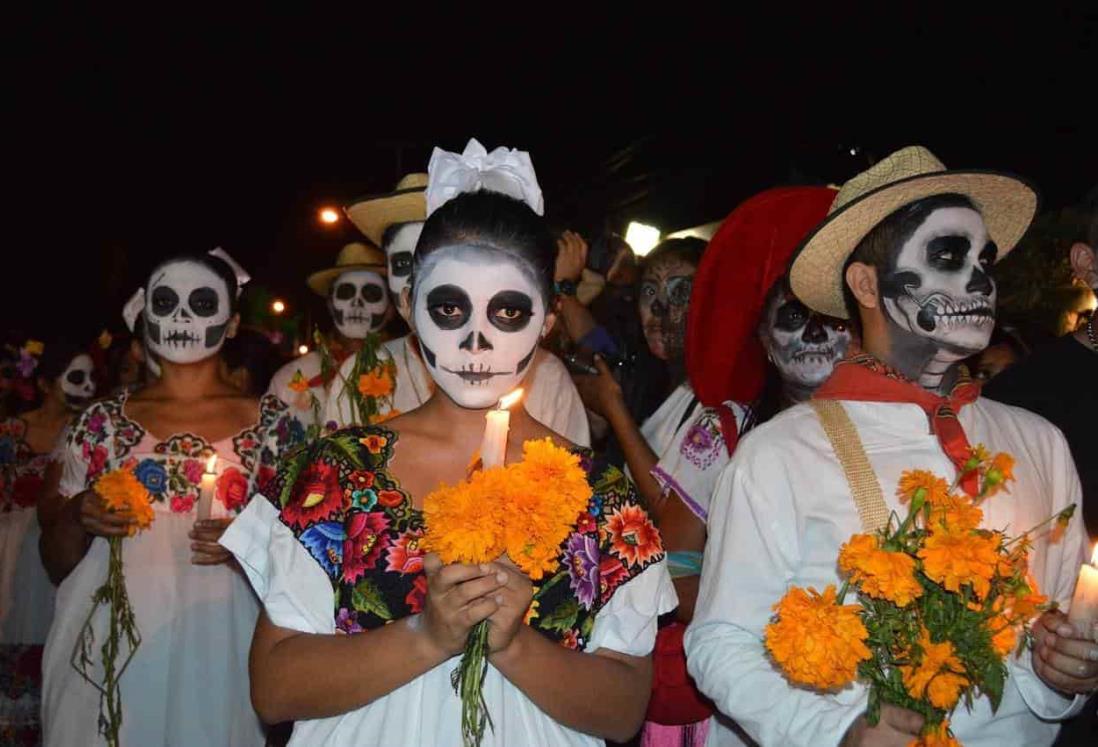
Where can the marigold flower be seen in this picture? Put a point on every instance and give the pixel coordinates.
(934, 488)
(376, 383)
(879, 573)
(956, 558)
(298, 383)
(999, 473)
(816, 642)
(1003, 635)
(956, 513)
(124, 494)
(939, 674)
(936, 736)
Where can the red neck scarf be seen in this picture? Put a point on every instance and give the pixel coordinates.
(864, 378)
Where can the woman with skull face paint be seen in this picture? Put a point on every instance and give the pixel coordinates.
(578, 672)
(187, 682)
(64, 379)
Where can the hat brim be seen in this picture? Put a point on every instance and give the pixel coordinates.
(321, 282)
(372, 215)
(1007, 204)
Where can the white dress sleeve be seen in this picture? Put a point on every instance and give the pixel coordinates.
(627, 624)
(696, 456)
(72, 457)
(750, 558)
(294, 590)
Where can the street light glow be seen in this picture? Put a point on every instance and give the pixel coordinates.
(278, 306)
(302, 349)
(642, 238)
(329, 216)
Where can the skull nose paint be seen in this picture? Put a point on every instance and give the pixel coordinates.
(814, 331)
(979, 282)
(475, 347)
(659, 308)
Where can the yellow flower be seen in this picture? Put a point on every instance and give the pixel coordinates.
(956, 558)
(956, 513)
(816, 642)
(374, 443)
(299, 383)
(1003, 635)
(104, 340)
(936, 736)
(34, 347)
(939, 674)
(124, 494)
(879, 573)
(531, 612)
(999, 473)
(933, 488)
(376, 383)
(382, 417)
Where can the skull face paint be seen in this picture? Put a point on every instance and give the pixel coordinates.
(187, 311)
(358, 302)
(939, 286)
(478, 314)
(77, 383)
(399, 250)
(664, 296)
(803, 345)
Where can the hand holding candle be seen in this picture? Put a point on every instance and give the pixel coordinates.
(206, 493)
(493, 449)
(1084, 604)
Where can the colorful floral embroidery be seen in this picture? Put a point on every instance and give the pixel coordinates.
(349, 514)
(21, 469)
(104, 438)
(703, 442)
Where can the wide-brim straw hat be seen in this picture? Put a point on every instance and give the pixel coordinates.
(374, 213)
(354, 256)
(1007, 204)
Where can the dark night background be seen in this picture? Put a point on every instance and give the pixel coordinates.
(132, 134)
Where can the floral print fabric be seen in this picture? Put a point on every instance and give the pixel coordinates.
(348, 512)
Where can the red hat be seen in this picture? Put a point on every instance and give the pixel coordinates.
(749, 253)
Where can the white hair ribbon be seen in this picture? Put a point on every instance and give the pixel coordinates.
(133, 307)
(504, 170)
(242, 276)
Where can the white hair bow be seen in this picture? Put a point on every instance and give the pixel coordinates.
(136, 303)
(503, 170)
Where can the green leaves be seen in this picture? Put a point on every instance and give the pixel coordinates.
(563, 618)
(365, 597)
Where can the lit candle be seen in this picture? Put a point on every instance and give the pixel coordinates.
(493, 449)
(1084, 604)
(206, 493)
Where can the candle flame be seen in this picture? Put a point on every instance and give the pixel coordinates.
(211, 464)
(1094, 555)
(510, 399)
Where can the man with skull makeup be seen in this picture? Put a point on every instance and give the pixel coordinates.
(394, 221)
(64, 378)
(910, 246)
(358, 304)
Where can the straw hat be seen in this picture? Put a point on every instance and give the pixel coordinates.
(373, 214)
(1006, 202)
(356, 256)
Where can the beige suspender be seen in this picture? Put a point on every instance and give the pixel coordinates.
(859, 473)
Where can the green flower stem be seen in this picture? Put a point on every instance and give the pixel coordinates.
(468, 682)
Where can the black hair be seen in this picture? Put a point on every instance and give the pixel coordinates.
(219, 267)
(56, 357)
(494, 221)
(876, 248)
(253, 350)
(688, 249)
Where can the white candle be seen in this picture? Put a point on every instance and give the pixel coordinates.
(493, 449)
(1084, 604)
(206, 492)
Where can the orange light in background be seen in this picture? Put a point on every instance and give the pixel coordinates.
(329, 216)
(278, 306)
(303, 349)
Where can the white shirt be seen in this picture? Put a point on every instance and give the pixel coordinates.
(551, 396)
(782, 509)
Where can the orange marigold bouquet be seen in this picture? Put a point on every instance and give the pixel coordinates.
(940, 604)
(123, 494)
(524, 511)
